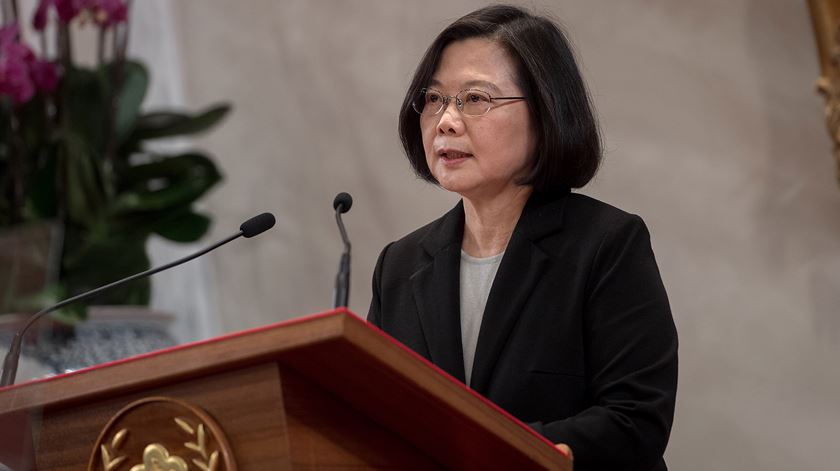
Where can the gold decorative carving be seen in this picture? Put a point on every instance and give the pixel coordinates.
(829, 88)
(156, 458)
(109, 463)
(199, 446)
(825, 16)
(163, 434)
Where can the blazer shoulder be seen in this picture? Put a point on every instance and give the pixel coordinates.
(586, 213)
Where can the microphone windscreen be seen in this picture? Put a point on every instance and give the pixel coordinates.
(344, 200)
(257, 225)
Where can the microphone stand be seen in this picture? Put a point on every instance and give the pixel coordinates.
(342, 279)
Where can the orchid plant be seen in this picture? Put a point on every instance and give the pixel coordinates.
(74, 150)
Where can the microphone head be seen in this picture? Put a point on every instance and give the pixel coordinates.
(257, 225)
(344, 200)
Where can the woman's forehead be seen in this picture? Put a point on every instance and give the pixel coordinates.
(474, 63)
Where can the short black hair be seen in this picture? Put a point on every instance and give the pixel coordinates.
(568, 150)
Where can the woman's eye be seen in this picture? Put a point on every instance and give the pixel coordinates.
(476, 98)
(432, 97)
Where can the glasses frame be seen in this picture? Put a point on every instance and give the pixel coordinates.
(460, 103)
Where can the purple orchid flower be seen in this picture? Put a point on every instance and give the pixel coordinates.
(15, 80)
(108, 12)
(103, 12)
(44, 75)
(21, 73)
(39, 19)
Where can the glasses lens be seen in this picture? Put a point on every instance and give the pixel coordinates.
(428, 102)
(474, 102)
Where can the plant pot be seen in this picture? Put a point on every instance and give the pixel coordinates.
(30, 256)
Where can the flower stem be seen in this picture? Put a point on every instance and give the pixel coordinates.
(16, 164)
(64, 46)
(100, 47)
(42, 39)
(117, 77)
(10, 11)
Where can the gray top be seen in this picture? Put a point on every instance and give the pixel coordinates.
(477, 276)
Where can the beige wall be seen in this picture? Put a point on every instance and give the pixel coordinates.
(713, 135)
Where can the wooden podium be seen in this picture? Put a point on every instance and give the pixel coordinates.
(327, 391)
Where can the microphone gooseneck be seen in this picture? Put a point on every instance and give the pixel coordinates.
(341, 204)
(255, 225)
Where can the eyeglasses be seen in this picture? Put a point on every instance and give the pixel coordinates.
(471, 102)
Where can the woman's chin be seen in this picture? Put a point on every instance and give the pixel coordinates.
(456, 185)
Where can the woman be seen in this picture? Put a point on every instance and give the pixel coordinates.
(547, 302)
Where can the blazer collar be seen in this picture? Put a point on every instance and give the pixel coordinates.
(446, 231)
(436, 285)
(522, 267)
(542, 215)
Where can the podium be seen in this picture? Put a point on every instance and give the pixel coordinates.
(327, 391)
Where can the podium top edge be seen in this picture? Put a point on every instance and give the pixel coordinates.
(334, 315)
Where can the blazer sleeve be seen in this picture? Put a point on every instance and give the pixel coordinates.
(631, 359)
(375, 311)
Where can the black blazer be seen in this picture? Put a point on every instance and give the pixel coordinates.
(577, 338)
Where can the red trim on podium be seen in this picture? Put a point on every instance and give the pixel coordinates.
(289, 322)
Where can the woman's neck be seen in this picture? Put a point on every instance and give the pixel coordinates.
(489, 222)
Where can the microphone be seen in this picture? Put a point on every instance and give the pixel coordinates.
(341, 204)
(257, 225)
(250, 228)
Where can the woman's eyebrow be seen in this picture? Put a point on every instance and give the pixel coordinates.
(483, 84)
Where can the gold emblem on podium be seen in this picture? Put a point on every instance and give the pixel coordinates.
(161, 434)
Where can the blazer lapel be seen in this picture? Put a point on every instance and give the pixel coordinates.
(436, 287)
(521, 269)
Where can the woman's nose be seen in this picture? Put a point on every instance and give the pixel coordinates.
(450, 119)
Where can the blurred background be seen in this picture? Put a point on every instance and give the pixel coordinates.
(713, 133)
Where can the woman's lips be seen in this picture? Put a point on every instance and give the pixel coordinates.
(451, 157)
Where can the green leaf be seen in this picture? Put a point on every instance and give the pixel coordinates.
(84, 106)
(92, 261)
(168, 183)
(169, 123)
(47, 296)
(85, 195)
(52, 294)
(43, 192)
(183, 226)
(134, 223)
(71, 314)
(135, 83)
(5, 156)
(44, 182)
(33, 124)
